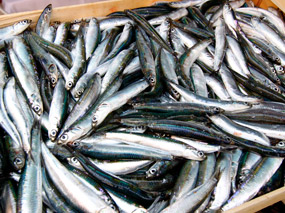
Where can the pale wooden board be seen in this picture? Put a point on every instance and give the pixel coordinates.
(69, 13)
(261, 202)
(264, 3)
(280, 4)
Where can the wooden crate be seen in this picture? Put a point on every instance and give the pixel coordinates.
(100, 9)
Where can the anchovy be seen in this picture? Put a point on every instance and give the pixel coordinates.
(223, 188)
(192, 199)
(119, 151)
(174, 15)
(61, 33)
(16, 113)
(87, 200)
(79, 62)
(220, 45)
(240, 131)
(27, 82)
(9, 197)
(186, 3)
(58, 109)
(269, 34)
(44, 20)
(259, 12)
(174, 147)
(225, 105)
(14, 29)
(30, 185)
(186, 180)
(262, 174)
(92, 37)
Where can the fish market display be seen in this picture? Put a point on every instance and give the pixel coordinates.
(174, 107)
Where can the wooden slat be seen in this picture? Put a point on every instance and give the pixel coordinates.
(98, 9)
(261, 202)
(280, 4)
(69, 13)
(264, 3)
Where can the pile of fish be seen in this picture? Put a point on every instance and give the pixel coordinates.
(175, 107)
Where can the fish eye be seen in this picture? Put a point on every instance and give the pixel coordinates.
(151, 80)
(135, 104)
(53, 132)
(64, 137)
(94, 119)
(113, 207)
(75, 144)
(216, 109)
(79, 92)
(18, 161)
(174, 91)
(200, 154)
(228, 139)
(140, 127)
(248, 103)
(152, 171)
(69, 84)
(108, 200)
(281, 144)
(24, 22)
(74, 160)
(37, 108)
(53, 80)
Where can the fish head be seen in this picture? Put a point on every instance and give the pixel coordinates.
(53, 73)
(74, 144)
(18, 162)
(74, 162)
(22, 25)
(109, 201)
(152, 172)
(151, 80)
(101, 113)
(281, 144)
(227, 8)
(193, 154)
(37, 108)
(70, 135)
(216, 110)
(69, 84)
(79, 89)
